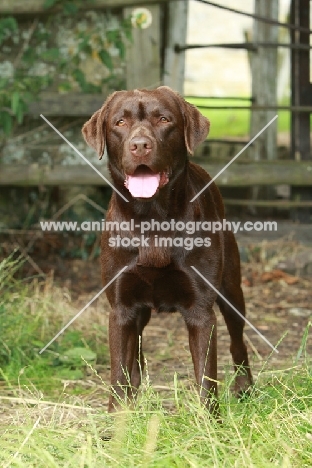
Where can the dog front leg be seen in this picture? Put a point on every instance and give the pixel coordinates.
(203, 346)
(122, 343)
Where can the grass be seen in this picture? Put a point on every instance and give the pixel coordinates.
(272, 428)
(234, 122)
(44, 426)
(31, 313)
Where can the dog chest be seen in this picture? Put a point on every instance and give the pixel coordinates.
(163, 289)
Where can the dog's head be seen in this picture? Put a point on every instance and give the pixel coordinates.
(147, 135)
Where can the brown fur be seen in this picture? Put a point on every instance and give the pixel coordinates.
(162, 278)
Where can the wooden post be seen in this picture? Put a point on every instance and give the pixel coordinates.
(264, 80)
(263, 65)
(143, 54)
(301, 94)
(301, 87)
(174, 64)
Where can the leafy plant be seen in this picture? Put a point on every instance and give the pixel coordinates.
(32, 313)
(43, 59)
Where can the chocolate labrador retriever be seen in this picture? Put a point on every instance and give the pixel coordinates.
(148, 136)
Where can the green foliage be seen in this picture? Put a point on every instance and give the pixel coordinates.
(30, 316)
(49, 3)
(85, 86)
(7, 26)
(72, 357)
(40, 62)
(106, 59)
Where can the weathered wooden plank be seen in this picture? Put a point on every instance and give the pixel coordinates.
(81, 104)
(264, 173)
(143, 54)
(35, 174)
(281, 204)
(174, 66)
(71, 104)
(31, 7)
(236, 175)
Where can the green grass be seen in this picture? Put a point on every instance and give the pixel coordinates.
(42, 428)
(31, 313)
(233, 122)
(273, 428)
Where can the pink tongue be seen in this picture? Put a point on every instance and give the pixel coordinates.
(143, 185)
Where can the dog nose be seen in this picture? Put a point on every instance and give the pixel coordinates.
(140, 146)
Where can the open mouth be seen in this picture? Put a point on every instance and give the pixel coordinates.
(144, 182)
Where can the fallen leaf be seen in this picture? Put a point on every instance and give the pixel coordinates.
(277, 275)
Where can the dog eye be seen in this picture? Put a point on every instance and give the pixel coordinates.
(163, 119)
(120, 123)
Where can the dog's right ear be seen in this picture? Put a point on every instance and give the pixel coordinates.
(94, 131)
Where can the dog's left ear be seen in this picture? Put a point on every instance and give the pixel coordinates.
(196, 126)
(94, 131)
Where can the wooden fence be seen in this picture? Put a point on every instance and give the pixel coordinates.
(155, 57)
